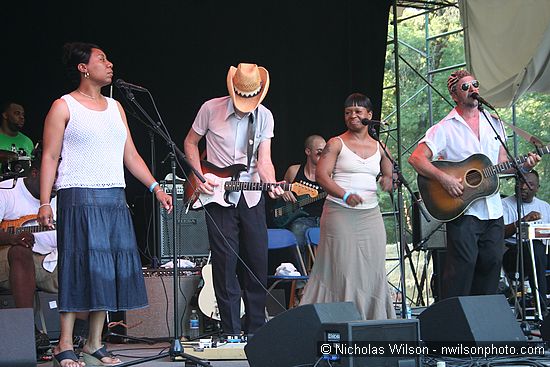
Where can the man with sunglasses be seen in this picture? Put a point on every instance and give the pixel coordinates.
(474, 239)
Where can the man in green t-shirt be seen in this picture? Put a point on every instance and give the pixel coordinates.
(11, 139)
(13, 120)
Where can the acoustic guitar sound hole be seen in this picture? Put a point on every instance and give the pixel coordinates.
(473, 178)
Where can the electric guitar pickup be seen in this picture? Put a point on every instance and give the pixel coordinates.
(227, 180)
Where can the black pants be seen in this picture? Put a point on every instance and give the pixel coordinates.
(541, 263)
(474, 256)
(231, 231)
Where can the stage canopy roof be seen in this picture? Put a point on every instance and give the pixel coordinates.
(507, 45)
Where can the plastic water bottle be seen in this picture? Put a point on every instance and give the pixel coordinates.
(408, 312)
(194, 325)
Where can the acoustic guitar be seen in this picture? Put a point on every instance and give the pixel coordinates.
(479, 178)
(227, 180)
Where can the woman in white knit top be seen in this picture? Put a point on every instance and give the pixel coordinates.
(99, 265)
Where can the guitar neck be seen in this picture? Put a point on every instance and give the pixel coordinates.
(31, 229)
(289, 208)
(501, 167)
(254, 186)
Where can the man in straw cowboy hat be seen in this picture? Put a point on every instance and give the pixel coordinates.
(238, 130)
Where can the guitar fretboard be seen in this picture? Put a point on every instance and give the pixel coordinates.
(31, 229)
(289, 208)
(254, 186)
(501, 167)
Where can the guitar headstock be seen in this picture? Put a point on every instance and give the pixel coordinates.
(304, 188)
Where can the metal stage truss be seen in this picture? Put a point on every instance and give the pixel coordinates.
(416, 256)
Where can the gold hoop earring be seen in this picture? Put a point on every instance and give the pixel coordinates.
(87, 75)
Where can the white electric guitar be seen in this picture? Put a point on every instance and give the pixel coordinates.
(207, 297)
(226, 178)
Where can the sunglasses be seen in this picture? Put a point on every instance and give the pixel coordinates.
(466, 86)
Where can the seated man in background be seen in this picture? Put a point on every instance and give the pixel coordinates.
(307, 211)
(298, 213)
(533, 209)
(27, 261)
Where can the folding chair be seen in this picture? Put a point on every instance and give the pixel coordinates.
(313, 235)
(279, 239)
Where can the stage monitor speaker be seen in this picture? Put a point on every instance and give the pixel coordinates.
(192, 233)
(46, 313)
(17, 338)
(428, 235)
(291, 338)
(382, 336)
(472, 319)
(157, 320)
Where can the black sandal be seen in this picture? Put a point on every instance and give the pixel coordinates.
(66, 354)
(94, 359)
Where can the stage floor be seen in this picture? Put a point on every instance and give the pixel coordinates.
(132, 352)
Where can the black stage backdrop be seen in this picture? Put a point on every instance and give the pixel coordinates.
(317, 53)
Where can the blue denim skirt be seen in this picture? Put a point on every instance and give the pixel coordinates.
(99, 264)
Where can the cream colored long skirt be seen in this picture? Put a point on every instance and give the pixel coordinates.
(350, 262)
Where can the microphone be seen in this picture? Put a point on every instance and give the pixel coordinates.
(481, 100)
(122, 84)
(368, 122)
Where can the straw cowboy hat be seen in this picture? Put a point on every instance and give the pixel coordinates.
(247, 85)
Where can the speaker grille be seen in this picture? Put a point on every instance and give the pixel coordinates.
(192, 235)
(157, 320)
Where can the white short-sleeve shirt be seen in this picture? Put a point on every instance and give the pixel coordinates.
(452, 139)
(227, 137)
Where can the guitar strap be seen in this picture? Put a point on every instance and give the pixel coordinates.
(524, 134)
(250, 139)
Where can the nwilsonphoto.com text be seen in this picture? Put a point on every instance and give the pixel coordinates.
(450, 349)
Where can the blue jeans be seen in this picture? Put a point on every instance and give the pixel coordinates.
(300, 225)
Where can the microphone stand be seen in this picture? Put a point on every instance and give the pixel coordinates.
(400, 181)
(520, 177)
(176, 348)
(155, 261)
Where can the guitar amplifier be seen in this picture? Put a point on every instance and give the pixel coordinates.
(192, 235)
(167, 187)
(428, 235)
(157, 320)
